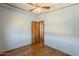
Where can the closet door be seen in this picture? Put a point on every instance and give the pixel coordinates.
(37, 31)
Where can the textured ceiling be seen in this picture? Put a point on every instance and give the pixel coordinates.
(54, 6)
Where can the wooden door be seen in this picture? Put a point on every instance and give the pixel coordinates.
(37, 31)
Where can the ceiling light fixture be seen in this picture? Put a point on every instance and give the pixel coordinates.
(38, 10)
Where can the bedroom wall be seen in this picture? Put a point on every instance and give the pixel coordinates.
(15, 28)
(62, 29)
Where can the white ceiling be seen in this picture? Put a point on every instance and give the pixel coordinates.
(53, 6)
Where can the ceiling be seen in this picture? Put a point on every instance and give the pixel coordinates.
(53, 6)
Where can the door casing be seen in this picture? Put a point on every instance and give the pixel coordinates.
(37, 31)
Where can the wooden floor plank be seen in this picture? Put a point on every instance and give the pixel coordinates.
(37, 49)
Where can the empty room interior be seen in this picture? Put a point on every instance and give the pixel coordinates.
(39, 29)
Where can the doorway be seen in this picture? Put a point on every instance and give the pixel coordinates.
(37, 32)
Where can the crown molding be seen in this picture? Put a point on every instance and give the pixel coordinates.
(14, 7)
(60, 8)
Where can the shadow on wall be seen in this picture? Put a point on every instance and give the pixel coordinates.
(3, 42)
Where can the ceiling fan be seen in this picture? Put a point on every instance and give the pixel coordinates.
(38, 7)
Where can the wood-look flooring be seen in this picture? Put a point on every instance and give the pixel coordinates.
(37, 49)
